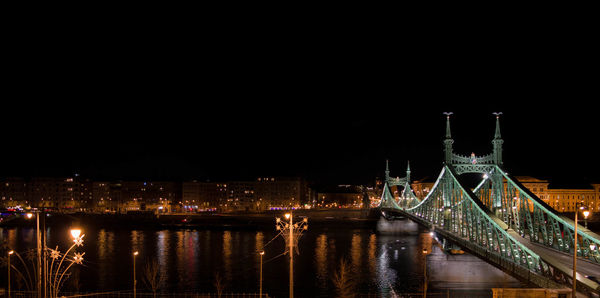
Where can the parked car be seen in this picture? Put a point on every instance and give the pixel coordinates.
(593, 278)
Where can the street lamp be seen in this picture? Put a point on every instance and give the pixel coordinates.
(135, 253)
(9, 254)
(425, 253)
(77, 258)
(585, 215)
(29, 215)
(578, 206)
(262, 252)
(592, 250)
(291, 232)
(291, 236)
(75, 233)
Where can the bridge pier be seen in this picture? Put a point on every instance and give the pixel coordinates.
(459, 271)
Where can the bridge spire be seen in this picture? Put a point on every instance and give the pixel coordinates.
(408, 172)
(448, 133)
(448, 141)
(497, 142)
(387, 170)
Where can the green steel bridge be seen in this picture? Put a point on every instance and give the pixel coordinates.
(500, 220)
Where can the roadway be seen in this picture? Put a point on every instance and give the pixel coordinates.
(554, 257)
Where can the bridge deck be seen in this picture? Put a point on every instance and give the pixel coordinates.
(584, 267)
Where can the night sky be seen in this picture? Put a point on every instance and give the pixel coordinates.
(329, 107)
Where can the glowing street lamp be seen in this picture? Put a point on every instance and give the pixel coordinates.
(578, 206)
(425, 253)
(9, 254)
(262, 252)
(135, 253)
(77, 258)
(75, 233)
(29, 215)
(291, 232)
(586, 212)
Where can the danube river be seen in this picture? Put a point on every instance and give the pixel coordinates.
(381, 261)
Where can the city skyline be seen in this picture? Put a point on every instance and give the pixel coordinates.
(184, 146)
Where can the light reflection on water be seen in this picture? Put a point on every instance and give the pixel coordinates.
(162, 253)
(321, 260)
(356, 253)
(227, 239)
(372, 254)
(189, 259)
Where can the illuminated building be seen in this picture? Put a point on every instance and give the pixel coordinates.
(563, 199)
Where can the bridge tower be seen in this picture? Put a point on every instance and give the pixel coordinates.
(448, 141)
(496, 176)
(479, 164)
(473, 163)
(408, 171)
(497, 141)
(387, 170)
(448, 159)
(407, 198)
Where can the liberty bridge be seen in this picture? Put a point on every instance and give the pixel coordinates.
(499, 221)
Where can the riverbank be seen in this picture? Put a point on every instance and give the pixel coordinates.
(327, 218)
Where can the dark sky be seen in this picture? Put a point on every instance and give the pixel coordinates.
(330, 105)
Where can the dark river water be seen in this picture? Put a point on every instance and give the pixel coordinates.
(381, 262)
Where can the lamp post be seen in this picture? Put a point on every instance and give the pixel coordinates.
(290, 217)
(425, 252)
(58, 273)
(9, 254)
(39, 252)
(291, 232)
(52, 279)
(578, 206)
(135, 253)
(262, 252)
(585, 216)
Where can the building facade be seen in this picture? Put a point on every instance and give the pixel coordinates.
(561, 199)
(149, 195)
(13, 192)
(264, 193)
(341, 196)
(202, 196)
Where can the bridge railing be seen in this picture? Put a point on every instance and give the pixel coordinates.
(532, 217)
